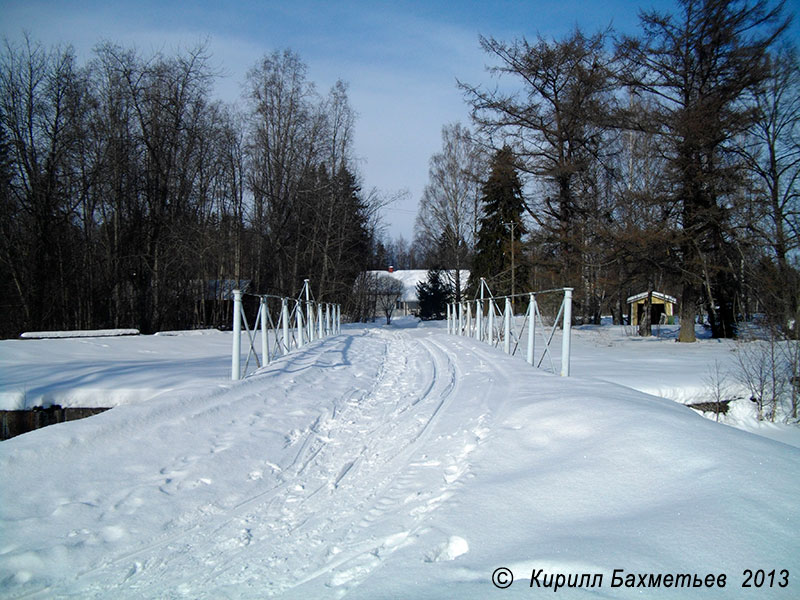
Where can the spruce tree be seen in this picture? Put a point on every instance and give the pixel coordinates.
(501, 228)
(433, 296)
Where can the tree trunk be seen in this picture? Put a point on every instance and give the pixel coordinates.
(646, 322)
(687, 313)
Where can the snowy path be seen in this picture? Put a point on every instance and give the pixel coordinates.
(317, 505)
(387, 463)
(322, 516)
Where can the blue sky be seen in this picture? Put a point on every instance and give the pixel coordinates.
(400, 58)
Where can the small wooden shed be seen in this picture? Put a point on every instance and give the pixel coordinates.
(662, 305)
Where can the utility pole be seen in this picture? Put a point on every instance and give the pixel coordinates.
(513, 273)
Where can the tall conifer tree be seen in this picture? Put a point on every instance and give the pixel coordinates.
(698, 67)
(501, 227)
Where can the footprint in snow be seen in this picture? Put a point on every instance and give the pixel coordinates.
(450, 550)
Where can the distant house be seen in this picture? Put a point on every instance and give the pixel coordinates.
(213, 300)
(408, 303)
(662, 309)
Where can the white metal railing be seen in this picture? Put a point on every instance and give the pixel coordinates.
(483, 320)
(300, 321)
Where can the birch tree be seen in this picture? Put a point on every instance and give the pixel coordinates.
(447, 220)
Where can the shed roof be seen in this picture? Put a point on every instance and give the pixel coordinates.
(659, 295)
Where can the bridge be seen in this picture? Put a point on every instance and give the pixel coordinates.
(294, 322)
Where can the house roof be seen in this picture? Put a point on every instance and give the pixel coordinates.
(659, 295)
(222, 289)
(411, 277)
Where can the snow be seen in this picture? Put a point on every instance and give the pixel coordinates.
(107, 372)
(657, 365)
(659, 295)
(384, 463)
(90, 333)
(190, 332)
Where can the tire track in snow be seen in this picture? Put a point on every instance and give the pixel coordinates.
(302, 480)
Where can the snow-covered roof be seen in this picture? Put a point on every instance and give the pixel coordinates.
(222, 289)
(659, 295)
(411, 277)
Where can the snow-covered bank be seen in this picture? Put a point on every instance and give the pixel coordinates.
(106, 372)
(388, 463)
(656, 365)
(684, 373)
(89, 333)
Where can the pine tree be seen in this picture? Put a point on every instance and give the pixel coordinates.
(501, 228)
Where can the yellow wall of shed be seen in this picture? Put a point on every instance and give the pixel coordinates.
(634, 310)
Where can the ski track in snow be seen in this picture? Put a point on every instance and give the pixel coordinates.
(327, 518)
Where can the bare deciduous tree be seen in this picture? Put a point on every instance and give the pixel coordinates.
(447, 220)
(388, 290)
(555, 124)
(41, 103)
(771, 152)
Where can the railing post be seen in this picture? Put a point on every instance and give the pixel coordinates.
(264, 332)
(300, 327)
(460, 318)
(328, 328)
(507, 327)
(447, 308)
(531, 327)
(478, 320)
(468, 331)
(236, 357)
(285, 320)
(320, 323)
(490, 325)
(309, 310)
(338, 318)
(566, 332)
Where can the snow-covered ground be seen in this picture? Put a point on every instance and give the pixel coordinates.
(108, 371)
(662, 367)
(383, 463)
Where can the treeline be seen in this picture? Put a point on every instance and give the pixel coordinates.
(664, 161)
(667, 160)
(129, 197)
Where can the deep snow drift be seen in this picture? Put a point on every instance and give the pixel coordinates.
(386, 463)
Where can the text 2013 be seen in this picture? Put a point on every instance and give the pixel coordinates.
(760, 578)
